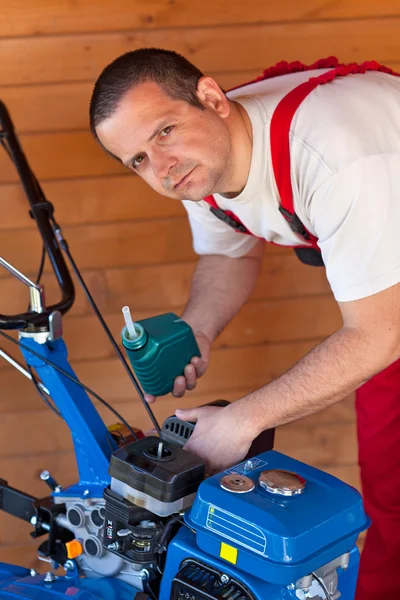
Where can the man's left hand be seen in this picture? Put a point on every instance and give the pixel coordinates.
(220, 437)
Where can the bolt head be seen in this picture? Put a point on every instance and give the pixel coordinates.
(49, 577)
(144, 575)
(291, 586)
(33, 573)
(86, 492)
(69, 565)
(34, 520)
(224, 578)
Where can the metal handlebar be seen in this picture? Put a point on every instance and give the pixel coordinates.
(42, 211)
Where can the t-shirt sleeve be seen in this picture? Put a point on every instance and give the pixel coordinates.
(213, 236)
(356, 216)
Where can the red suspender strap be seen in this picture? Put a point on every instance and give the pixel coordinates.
(280, 136)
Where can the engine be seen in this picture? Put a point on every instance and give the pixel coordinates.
(269, 528)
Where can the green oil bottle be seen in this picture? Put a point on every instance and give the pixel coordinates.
(158, 348)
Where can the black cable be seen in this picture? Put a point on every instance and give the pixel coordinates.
(85, 387)
(64, 246)
(150, 592)
(41, 393)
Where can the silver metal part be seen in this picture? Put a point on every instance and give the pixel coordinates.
(96, 560)
(49, 480)
(283, 483)
(49, 577)
(55, 326)
(76, 515)
(36, 292)
(36, 297)
(322, 584)
(124, 532)
(69, 565)
(224, 578)
(22, 370)
(22, 278)
(237, 484)
(144, 574)
(40, 337)
(249, 466)
(93, 546)
(33, 573)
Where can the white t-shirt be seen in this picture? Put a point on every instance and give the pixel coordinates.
(345, 171)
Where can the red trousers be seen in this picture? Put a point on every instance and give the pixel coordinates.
(378, 423)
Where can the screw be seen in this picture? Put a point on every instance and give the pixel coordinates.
(49, 577)
(345, 567)
(113, 546)
(224, 578)
(291, 586)
(33, 573)
(69, 565)
(86, 492)
(144, 575)
(58, 489)
(34, 520)
(249, 466)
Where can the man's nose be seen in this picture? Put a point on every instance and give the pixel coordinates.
(162, 162)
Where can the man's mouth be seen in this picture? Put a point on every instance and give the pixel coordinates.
(183, 180)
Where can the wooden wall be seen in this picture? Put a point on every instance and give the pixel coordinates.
(133, 246)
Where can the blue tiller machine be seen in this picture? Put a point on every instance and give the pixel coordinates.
(143, 522)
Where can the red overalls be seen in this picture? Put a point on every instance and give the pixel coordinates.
(377, 401)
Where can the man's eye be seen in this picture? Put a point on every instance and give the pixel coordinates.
(137, 161)
(166, 130)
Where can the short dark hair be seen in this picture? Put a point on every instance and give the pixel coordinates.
(171, 71)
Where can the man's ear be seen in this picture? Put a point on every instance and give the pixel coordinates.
(211, 96)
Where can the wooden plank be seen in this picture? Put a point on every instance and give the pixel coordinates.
(64, 106)
(237, 47)
(319, 445)
(165, 287)
(150, 287)
(90, 200)
(39, 18)
(59, 155)
(107, 245)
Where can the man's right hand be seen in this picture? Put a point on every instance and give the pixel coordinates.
(193, 371)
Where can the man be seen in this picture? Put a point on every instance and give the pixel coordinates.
(156, 113)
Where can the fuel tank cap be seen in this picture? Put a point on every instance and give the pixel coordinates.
(238, 484)
(283, 483)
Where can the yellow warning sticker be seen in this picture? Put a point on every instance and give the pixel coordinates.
(228, 553)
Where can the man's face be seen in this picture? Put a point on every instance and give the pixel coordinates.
(181, 151)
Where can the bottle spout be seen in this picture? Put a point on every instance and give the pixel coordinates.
(132, 333)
